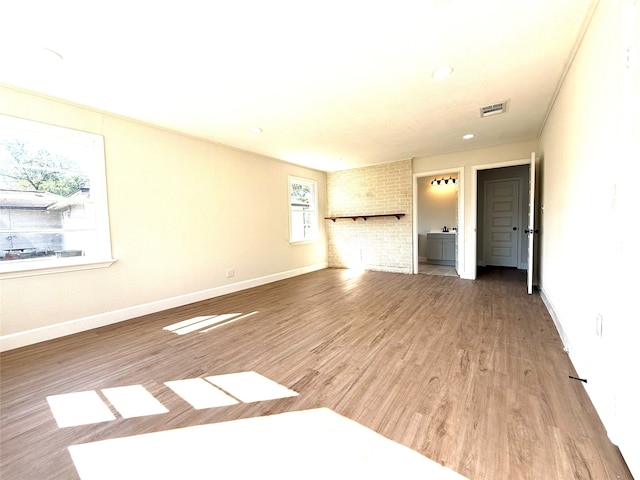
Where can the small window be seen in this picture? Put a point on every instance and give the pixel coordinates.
(304, 210)
(53, 208)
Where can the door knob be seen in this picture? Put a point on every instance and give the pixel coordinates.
(515, 228)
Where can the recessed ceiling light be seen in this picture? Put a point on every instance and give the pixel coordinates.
(468, 136)
(255, 130)
(442, 72)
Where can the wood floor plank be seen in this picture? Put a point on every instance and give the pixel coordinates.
(468, 373)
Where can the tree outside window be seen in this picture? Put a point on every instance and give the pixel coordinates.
(50, 204)
(303, 210)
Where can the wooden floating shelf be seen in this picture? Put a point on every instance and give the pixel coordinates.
(355, 217)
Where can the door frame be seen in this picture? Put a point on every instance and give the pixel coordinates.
(473, 238)
(461, 218)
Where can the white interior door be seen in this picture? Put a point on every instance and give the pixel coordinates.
(502, 204)
(531, 226)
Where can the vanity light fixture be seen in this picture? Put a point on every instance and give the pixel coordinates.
(435, 181)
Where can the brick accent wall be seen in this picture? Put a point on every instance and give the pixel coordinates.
(383, 244)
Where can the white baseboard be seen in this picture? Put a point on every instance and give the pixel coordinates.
(36, 335)
(556, 320)
(388, 269)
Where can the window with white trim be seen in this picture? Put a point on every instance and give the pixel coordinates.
(53, 200)
(303, 207)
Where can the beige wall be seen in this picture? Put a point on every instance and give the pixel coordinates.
(383, 244)
(469, 161)
(589, 233)
(437, 204)
(182, 212)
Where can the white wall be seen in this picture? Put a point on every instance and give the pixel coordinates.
(470, 160)
(382, 244)
(589, 227)
(182, 212)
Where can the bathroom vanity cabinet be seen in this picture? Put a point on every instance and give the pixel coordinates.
(441, 248)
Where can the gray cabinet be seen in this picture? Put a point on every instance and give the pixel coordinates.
(441, 248)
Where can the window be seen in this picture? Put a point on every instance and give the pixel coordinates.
(53, 207)
(303, 207)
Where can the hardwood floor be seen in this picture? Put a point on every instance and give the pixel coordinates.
(471, 374)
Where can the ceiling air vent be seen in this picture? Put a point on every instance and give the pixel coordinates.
(493, 109)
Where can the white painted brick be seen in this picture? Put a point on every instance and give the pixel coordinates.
(380, 243)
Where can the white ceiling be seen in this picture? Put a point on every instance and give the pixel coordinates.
(334, 84)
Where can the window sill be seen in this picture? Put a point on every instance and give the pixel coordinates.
(31, 268)
(303, 242)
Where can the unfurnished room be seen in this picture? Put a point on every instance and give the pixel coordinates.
(319, 240)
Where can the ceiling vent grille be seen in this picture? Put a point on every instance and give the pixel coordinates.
(493, 109)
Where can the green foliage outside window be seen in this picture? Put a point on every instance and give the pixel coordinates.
(25, 168)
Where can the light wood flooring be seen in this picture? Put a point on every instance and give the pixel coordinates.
(471, 374)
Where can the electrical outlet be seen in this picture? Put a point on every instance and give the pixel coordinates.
(230, 272)
(599, 325)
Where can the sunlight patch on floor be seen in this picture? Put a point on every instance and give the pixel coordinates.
(198, 323)
(354, 272)
(203, 321)
(352, 277)
(200, 394)
(222, 324)
(79, 408)
(309, 444)
(83, 408)
(250, 387)
(133, 401)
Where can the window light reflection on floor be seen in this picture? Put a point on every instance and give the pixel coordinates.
(351, 273)
(83, 408)
(311, 444)
(201, 323)
(200, 394)
(250, 387)
(133, 401)
(352, 278)
(222, 324)
(274, 446)
(79, 408)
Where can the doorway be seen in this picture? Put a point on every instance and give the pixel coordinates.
(501, 217)
(437, 222)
